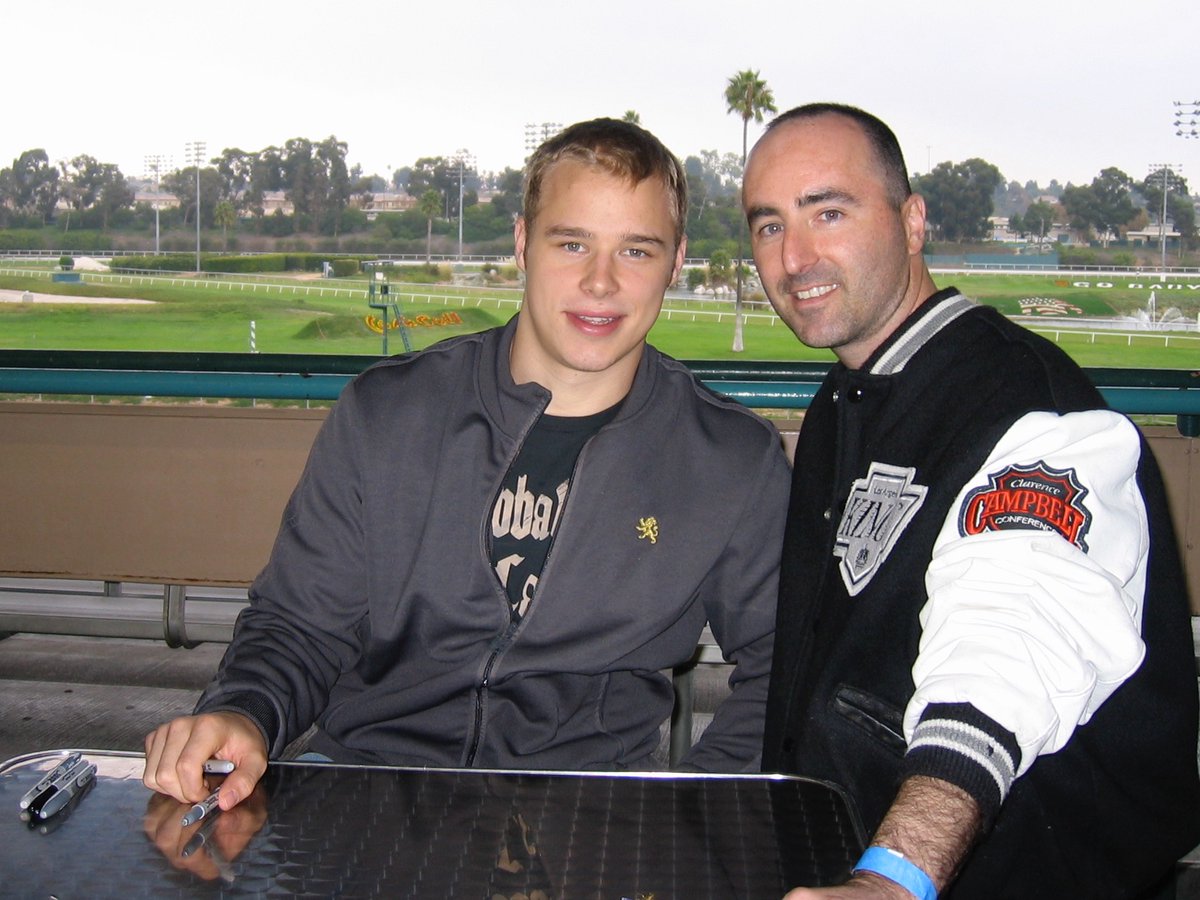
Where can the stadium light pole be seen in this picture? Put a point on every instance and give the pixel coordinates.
(154, 163)
(537, 133)
(196, 156)
(1187, 116)
(462, 159)
(1166, 169)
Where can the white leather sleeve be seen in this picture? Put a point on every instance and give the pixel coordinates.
(1034, 612)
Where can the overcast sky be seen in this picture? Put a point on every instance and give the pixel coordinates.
(1041, 88)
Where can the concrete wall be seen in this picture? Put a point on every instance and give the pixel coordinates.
(194, 494)
(146, 493)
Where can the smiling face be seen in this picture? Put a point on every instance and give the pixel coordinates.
(839, 261)
(597, 259)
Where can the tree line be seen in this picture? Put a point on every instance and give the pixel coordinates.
(327, 195)
(961, 197)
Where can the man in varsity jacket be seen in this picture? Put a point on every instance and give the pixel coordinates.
(983, 628)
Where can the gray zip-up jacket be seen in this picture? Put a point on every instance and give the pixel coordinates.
(379, 615)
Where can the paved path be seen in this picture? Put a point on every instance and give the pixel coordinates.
(7, 296)
(95, 693)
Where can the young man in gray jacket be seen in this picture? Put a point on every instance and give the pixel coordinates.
(499, 544)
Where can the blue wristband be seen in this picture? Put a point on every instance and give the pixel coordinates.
(894, 867)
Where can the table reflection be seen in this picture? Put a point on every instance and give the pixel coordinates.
(362, 832)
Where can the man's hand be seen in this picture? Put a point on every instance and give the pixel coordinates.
(864, 886)
(208, 848)
(176, 753)
(932, 823)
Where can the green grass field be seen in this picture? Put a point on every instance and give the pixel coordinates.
(291, 316)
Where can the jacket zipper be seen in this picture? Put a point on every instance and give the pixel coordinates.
(500, 643)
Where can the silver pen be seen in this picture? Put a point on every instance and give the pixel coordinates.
(44, 785)
(67, 791)
(218, 767)
(201, 809)
(202, 839)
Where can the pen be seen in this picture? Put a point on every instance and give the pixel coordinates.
(41, 800)
(49, 826)
(201, 809)
(64, 794)
(202, 839)
(218, 767)
(44, 785)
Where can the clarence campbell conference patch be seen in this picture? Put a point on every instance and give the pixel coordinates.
(1029, 497)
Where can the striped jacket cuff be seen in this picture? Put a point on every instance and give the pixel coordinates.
(957, 743)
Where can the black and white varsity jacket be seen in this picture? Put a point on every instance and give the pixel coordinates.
(980, 583)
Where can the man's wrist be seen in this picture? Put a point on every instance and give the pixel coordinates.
(958, 744)
(255, 708)
(892, 865)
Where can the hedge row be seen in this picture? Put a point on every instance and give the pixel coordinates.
(172, 262)
(259, 263)
(427, 274)
(54, 239)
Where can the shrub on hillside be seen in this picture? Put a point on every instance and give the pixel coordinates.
(1077, 256)
(301, 262)
(278, 225)
(240, 265)
(498, 247)
(169, 263)
(428, 274)
(83, 241)
(500, 275)
(27, 239)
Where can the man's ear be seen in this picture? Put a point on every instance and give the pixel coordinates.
(680, 256)
(519, 240)
(912, 213)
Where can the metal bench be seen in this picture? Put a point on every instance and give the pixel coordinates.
(174, 613)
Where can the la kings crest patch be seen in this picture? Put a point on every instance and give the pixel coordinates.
(1029, 497)
(877, 511)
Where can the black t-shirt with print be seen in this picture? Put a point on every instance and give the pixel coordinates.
(531, 500)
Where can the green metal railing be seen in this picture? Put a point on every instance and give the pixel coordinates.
(265, 376)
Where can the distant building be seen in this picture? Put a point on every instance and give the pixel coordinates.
(384, 201)
(998, 227)
(277, 201)
(1000, 232)
(155, 199)
(1151, 234)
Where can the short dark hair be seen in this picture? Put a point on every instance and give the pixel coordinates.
(881, 138)
(618, 148)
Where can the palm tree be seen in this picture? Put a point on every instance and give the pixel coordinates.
(747, 95)
(429, 206)
(225, 215)
(631, 116)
